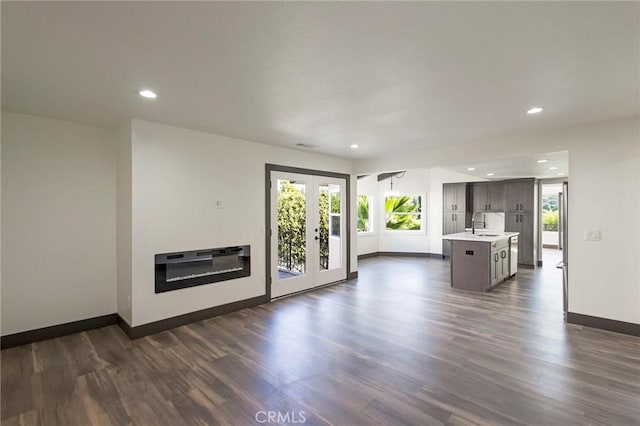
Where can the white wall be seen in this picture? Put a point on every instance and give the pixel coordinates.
(368, 242)
(58, 222)
(177, 176)
(604, 194)
(123, 220)
(604, 162)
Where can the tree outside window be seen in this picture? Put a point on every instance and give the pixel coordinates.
(403, 212)
(364, 218)
(550, 213)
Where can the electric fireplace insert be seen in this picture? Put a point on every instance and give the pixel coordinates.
(198, 267)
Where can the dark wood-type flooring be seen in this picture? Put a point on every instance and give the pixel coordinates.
(395, 346)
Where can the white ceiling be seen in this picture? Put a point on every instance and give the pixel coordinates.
(387, 76)
(519, 167)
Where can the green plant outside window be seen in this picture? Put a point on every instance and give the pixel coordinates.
(550, 213)
(363, 213)
(403, 212)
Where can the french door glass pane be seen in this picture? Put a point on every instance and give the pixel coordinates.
(292, 216)
(330, 220)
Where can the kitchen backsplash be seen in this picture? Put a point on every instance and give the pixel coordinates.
(494, 221)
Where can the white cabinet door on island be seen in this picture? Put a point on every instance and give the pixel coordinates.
(479, 262)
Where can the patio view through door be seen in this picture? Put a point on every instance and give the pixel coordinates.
(308, 239)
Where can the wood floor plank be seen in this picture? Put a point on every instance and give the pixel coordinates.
(397, 345)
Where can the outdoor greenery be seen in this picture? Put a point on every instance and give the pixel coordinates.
(324, 227)
(403, 212)
(335, 202)
(550, 221)
(550, 213)
(292, 229)
(363, 213)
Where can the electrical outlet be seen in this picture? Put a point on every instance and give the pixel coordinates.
(591, 235)
(219, 204)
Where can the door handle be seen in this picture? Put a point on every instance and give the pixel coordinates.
(496, 257)
(517, 218)
(317, 238)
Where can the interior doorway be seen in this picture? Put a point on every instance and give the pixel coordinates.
(551, 226)
(308, 239)
(554, 196)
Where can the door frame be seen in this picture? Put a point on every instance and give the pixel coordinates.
(268, 168)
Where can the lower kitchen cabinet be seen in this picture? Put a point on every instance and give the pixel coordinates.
(499, 263)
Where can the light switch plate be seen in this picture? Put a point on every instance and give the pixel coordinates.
(591, 235)
(219, 204)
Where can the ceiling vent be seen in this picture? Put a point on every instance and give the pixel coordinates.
(307, 145)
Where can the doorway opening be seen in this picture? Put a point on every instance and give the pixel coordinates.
(551, 227)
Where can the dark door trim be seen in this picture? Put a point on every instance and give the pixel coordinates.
(267, 196)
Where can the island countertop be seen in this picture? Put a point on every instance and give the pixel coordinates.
(481, 236)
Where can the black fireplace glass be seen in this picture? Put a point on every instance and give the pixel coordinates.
(198, 267)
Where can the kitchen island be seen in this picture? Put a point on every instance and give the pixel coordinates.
(480, 261)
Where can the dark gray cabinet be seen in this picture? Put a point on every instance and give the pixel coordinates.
(519, 196)
(499, 262)
(454, 202)
(522, 223)
(488, 197)
(452, 223)
(454, 197)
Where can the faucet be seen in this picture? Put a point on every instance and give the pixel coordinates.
(473, 222)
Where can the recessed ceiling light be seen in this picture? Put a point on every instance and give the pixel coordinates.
(470, 169)
(553, 168)
(146, 93)
(542, 161)
(560, 174)
(534, 110)
(489, 174)
(354, 146)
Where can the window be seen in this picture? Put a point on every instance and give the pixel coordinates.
(364, 214)
(403, 212)
(550, 213)
(334, 215)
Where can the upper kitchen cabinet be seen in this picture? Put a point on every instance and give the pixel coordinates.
(488, 197)
(454, 197)
(519, 196)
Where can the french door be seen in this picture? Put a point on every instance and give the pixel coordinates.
(308, 231)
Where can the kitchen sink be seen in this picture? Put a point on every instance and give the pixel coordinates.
(487, 235)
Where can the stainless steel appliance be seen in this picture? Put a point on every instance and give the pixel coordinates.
(513, 256)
